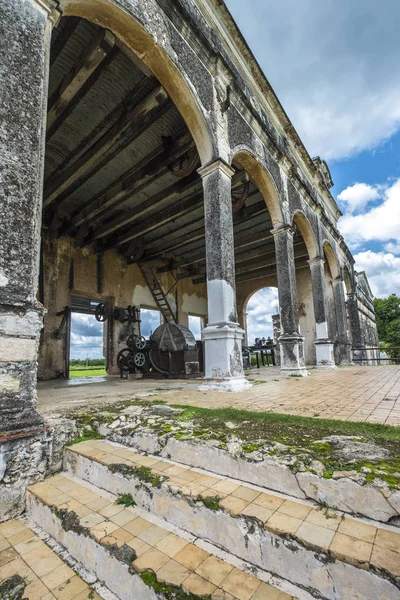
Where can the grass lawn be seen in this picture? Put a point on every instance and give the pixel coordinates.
(87, 372)
(288, 427)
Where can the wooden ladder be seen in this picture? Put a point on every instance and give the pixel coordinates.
(157, 293)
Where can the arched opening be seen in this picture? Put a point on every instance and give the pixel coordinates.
(261, 315)
(256, 210)
(123, 202)
(305, 249)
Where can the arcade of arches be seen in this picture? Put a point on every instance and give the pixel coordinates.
(140, 155)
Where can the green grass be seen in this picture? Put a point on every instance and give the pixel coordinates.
(87, 372)
(209, 417)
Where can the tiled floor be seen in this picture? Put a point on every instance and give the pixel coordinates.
(345, 538)
(353, 394)
(46, 575)
(174, 560)
(369, 394)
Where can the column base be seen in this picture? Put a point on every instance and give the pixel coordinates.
(292, 355)
(223, 351)
(325, 355)
(229, 384)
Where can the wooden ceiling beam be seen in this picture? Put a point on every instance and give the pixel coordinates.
(78, 81)
(180, 208)
(59, 44)
(149, 169)
(128, 127)
(246, 214)
(245, 263)
(149, 205)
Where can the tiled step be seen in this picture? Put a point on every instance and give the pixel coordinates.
(340, 557)
(348, 495)
(136, 555)
(30, 569)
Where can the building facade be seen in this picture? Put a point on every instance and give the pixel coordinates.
(142, 146)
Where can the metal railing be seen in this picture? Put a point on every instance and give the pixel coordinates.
(378, 359)
(264, 356)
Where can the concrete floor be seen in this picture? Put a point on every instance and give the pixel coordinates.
(369, 394)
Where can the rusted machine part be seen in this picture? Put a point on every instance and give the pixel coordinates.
(185, 164)
(171, 336)
(173, 350)
(240, 195)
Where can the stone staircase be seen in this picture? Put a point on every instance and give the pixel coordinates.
(189, 533)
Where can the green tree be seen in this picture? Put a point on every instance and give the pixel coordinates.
(387, 311)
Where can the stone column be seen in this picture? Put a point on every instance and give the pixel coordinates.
(222, 336)
(323, 344)
(341, 318)
(24, 49)
(291, 342)
(358, 348)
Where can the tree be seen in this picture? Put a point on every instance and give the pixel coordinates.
(387, 311)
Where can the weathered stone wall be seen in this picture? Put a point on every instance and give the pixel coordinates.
(24, 461)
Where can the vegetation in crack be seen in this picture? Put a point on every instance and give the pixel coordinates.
(143, 473)
(167, 591)
(125, 500)
(210, 502)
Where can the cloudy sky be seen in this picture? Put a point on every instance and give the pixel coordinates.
(335, 66)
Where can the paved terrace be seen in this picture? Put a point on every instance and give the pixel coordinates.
(369, 394)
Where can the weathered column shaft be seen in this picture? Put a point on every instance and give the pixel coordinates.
(291, 342)
(323, 345)
(341, 318)
(24, 48)
(222, 336)
(357, 340)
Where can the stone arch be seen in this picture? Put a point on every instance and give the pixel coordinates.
(348, 282)
(126, 26)
(259, 174)
(303, 225)
(332, 260)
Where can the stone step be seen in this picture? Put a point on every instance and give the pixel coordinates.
(339, 556)
(31, 569)
(140, 557)
(345, 491)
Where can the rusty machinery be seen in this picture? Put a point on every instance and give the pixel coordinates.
(171, 350)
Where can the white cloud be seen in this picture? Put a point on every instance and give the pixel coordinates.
(260, 308)
(358, 195)
(382, 269)
(393, 247)
(381, 223)
(335, 71)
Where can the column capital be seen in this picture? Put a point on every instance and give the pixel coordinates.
(283, 229)
(216, 165)
(51, 7)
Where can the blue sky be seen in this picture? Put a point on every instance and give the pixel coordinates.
(335, 66)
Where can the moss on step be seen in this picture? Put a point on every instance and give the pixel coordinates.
(143, 473)
(210, 502)
(90, 434)
(125, 500)
(167, 591)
